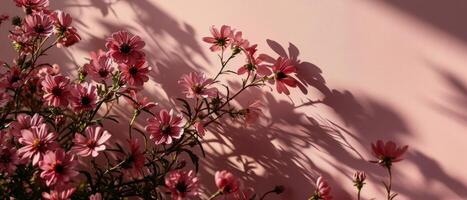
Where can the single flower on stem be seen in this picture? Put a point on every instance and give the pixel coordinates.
(3, 17)
(226, 182)
(138, 102)
(56, 90)
(100, 67)
(125, 47)
(67, 34)
(34, 5)
(165, 127)
(323, 190)
(359, 180)
(83, 97)
(133, 164)
(220, 39)
(135, 74)
(23, 122)
(13, 78)
(253, 112)
(388, 153)
(197, 85)
(254, 63)
(38, 24)
(283, 69)
(37, 141)
(182, 184)
(59, 194)
(58, 167)
(90, 144)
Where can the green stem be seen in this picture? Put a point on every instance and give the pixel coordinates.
(218, 193)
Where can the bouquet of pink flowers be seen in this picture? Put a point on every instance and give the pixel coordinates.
(53, 144)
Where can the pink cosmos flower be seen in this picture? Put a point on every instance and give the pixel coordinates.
(33, 4)
(226, 182)
(125, 47)
(199, 126)
(139, 103)
(3, 18)
(96, 196)
(83, 97)
(56, 90)
(134, 162)
(239, 42)
(38, 24)
(13, 78)
(323, 190)
(182, 184)
(282, 70)
(252, 113)
(8, 159)
(59, 194)
(24, 122)
(359, 179)
(254, 63)
(197, 85)
(220, 39)
(37, 141)
(95, 140)
(58, 167)
(387, 153)
(100, 67)
(22, 43)
(65, 32)
(44, 70)
(135, 74)
(166, 127)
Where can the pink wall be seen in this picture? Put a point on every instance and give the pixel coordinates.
(385, 69)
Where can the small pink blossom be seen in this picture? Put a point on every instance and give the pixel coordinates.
(37, 141)
(125, 47)
(67, 34)
(59, 194)
(138, 102)
(13, 78)
(38, 24)
(9, 159)
(57, 167)
(134, 162)
(197, 86)
(135, 74)
(96, 196)
(220, 39)
(44, 70)
(238, 41)
(199, 126)
(56, 90)
(226, 182)
(253, 112)
(95, 140)
(100, 68)
(282, 69)
(182, 184)
(387, 153)
(24, 122)
(33, 4)
(83, 97)
(3, 17)
(166, 127)
(323, 190)
(254, 63)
